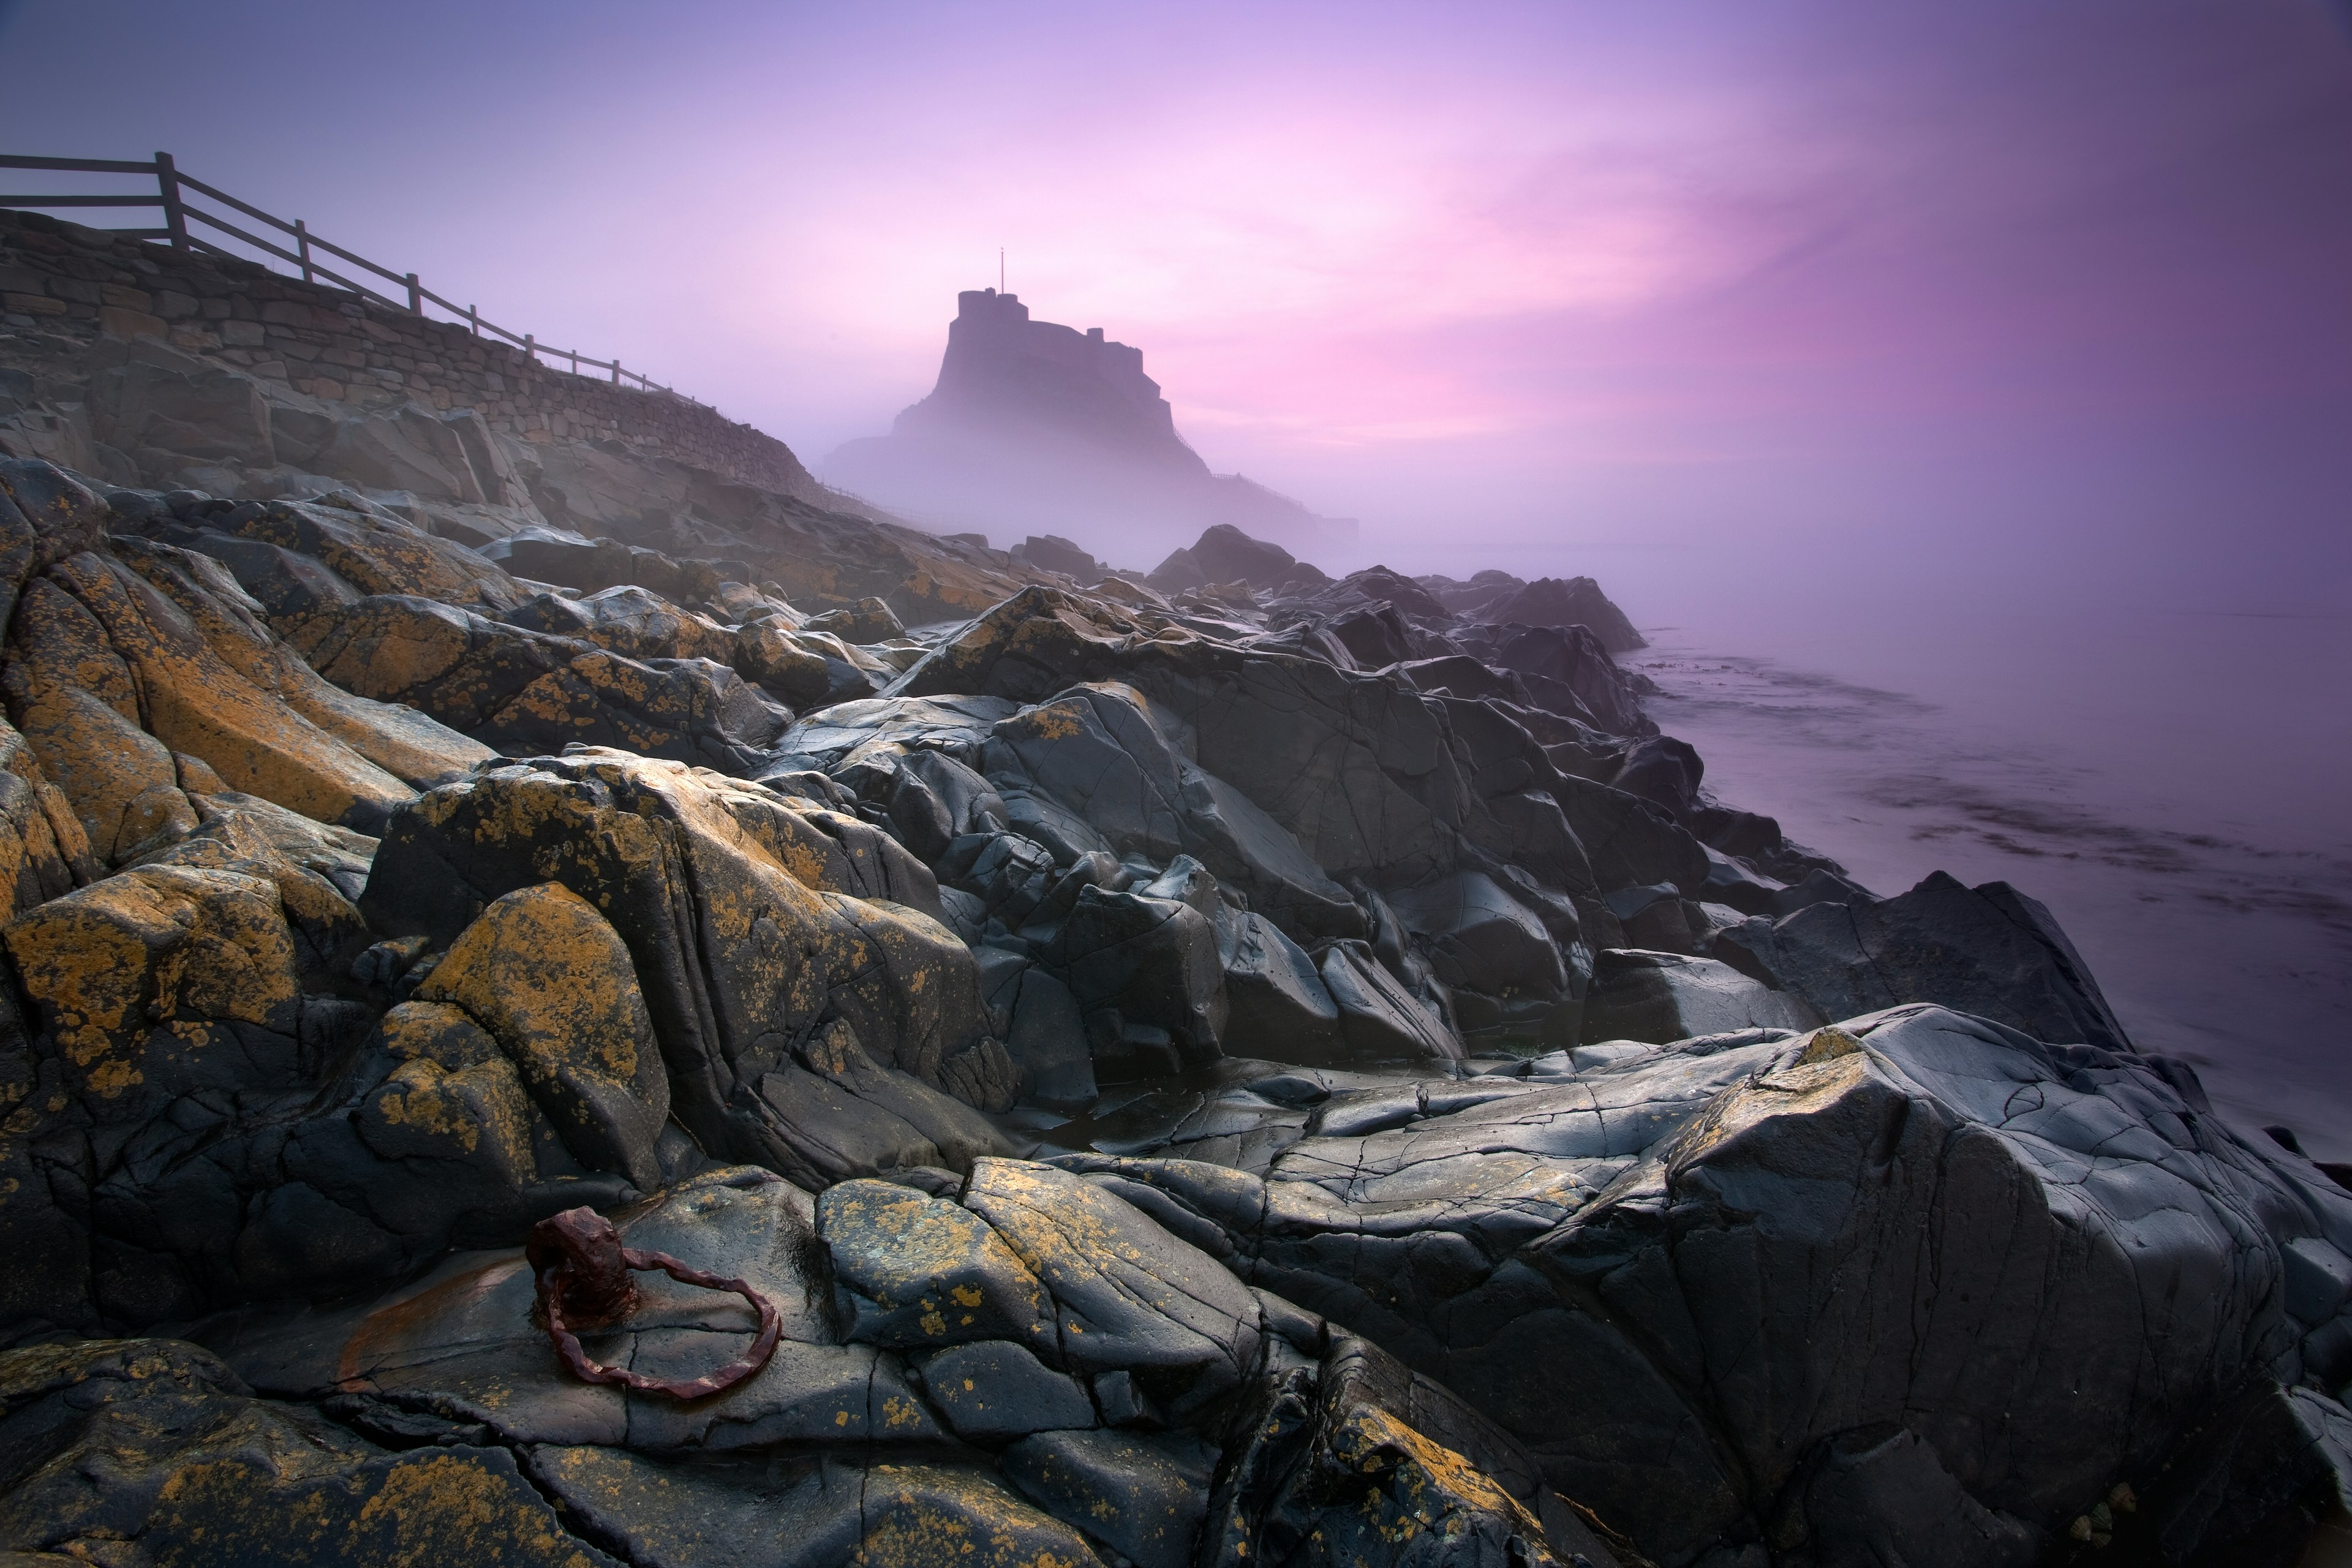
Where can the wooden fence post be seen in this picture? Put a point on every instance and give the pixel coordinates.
(576, 362)
(302, 248)
(167, 181)
(415, 297)
(616, 370)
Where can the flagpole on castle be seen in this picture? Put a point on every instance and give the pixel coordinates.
(1000, 269)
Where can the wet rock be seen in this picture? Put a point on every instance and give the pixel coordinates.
(1988, 950)
(1664, 996)
(1330, 1469)
(1155, 961)
(995, 1389)
(809, 1513)
(1101, 752)
(1128, 1295)
(1141, 1495)
(142, 1451)
(1881, 1495)
(632, 621)
(923, 1272)
(1380, 1020)
(749, 924)
(2270, 1471)
(461, 1342)
(867, 621)
(806, 667)
(1277, 1006)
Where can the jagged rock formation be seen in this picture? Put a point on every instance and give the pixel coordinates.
(1032, 421)
(1211, 1072)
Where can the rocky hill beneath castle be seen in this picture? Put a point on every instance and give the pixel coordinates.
(1034, 425)
(1246, 1067)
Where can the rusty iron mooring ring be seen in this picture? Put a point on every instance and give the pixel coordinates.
(583, 1278)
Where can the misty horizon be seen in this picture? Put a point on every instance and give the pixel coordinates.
(1912, 293)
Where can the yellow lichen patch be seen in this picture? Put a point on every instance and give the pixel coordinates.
(550, 978)
(44, 849)
(160, 944)
(422, 1510)
(1051, 721)
(1420, 1487)
(1800, 1090)
(553, 982)
(921, 1517)
(74, 698)
(478, 1110)
(1826, 1044)
(435, 1032)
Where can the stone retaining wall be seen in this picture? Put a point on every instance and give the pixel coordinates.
(82, 283)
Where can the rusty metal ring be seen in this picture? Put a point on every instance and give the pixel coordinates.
(577, 1255)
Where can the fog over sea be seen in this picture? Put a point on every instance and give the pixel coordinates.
(2173, 784)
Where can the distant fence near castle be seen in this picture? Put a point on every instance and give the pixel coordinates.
(172, 192)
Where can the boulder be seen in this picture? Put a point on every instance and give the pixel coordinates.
(152, 1451)
(751, 924)
(1153, 962)
(1988, 950)
(1660, 997)
(1572, 601)
(1142, 1496)
(1104, 754)
(1052, 552)
(521, 691)
(552, 983)
(632, 621)
(1567, 1257)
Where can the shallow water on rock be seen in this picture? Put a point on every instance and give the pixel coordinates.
(2174, 789)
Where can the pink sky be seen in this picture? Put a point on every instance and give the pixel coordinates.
(1534, 284)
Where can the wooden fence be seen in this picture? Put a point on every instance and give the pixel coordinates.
(173, 190)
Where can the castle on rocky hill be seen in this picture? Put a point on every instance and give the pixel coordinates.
(1033, 423)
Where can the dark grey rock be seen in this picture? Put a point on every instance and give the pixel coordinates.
(1142, 1496)
(1154, 960)
(994, 1390)
(921, 1271)
(1988, 950)
(1660, 997)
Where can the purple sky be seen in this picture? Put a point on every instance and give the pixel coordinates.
(2009, 293)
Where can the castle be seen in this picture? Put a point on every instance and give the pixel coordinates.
(1034, 425)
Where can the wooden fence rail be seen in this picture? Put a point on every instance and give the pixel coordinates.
(172, 189)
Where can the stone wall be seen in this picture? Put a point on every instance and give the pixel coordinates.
(80, 283)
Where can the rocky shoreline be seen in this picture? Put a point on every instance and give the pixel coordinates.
(1221, 1065)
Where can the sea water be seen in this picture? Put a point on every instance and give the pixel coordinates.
(2175, 787)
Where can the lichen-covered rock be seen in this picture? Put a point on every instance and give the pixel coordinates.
(552, 981)
(91, 628)
(150, 1452)
(812, 1514)
(161, 981)
(43, 850)
(921, 1271)
(521, 691)
(1129, 1296)
(725, 897)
